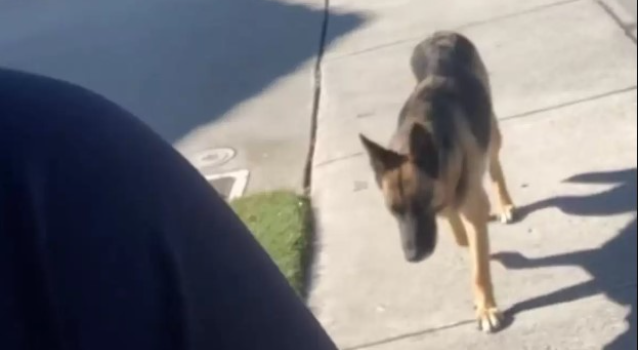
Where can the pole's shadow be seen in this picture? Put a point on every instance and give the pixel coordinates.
(612, 266)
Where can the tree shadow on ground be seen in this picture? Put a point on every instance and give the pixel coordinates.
(612, 266)
(177, 65)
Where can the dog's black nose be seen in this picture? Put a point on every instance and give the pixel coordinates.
(415, 256)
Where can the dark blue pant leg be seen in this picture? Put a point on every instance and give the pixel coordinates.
(110, 240)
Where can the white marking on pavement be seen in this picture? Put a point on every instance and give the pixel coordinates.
(213, 157)
(240, 184)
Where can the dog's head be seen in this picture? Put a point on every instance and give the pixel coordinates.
(409, 186)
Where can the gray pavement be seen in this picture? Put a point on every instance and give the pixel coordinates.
(203, 74)
(624, 12)
(630, 5)
(564, 75)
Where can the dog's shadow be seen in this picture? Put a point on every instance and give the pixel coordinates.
(612, 266)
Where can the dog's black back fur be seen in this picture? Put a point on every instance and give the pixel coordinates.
(454, 61)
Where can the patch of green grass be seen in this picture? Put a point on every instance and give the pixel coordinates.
(280, 221)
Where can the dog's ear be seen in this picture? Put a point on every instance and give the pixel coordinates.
(423, 150)
(381, 159)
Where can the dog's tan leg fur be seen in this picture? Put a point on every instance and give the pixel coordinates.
(475, 212)
(505, 205)
(456, 224)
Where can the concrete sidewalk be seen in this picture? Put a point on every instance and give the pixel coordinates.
(564, 75)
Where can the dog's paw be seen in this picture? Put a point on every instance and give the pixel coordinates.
(506, 216)
(490, 320)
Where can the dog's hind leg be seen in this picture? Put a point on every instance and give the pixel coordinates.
(505, 204)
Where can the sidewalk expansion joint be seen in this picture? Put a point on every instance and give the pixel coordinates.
(406, 336)
(625, 25)
(459, 28)
(506, 119)
(316, 103)
(338, 159)
(569, 104)
(539, 8)
(374, 344)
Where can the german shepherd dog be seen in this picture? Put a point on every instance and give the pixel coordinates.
(447, 139)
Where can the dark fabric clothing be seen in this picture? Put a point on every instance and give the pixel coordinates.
(110, 240)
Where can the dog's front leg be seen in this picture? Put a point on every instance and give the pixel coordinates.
(475, 213)
(457, 227)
